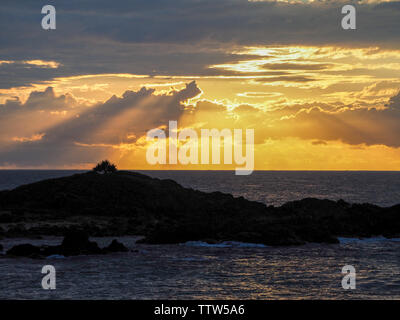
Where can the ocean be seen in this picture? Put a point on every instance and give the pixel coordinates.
(231, 270)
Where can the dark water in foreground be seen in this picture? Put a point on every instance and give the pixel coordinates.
(228, 271)
(192, 271)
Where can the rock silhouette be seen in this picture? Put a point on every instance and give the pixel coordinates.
(75, 243)
(24, 250)
(115, 246)
(127, 203)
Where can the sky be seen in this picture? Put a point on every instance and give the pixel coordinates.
(317, 96)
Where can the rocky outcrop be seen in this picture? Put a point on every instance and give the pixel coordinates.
(115, 246)
(24, 250)
(126, 203)
(75, 243)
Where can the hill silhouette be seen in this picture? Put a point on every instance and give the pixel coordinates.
(122, 203)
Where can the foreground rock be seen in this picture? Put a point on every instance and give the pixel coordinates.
(115, 246)
(126, 203)
(74, 244)
(24, 250)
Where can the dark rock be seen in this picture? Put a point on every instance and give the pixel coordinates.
(16, 231)
(279, 235)
(116, 246)
(6, 218)
(24, 250)
(75, 239)
(165, 212)
(77, 243)
(211, 241)
(46, 229)
(1, 248)
(74, 243)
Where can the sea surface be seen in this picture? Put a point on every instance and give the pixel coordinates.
(230, 270)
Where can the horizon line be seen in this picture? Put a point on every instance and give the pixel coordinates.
(203, 170)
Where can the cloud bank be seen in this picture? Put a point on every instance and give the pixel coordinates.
(175, 37)
(56, 130)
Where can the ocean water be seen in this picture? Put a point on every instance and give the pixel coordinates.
(230, 270)
(199, 271)
(278, 187)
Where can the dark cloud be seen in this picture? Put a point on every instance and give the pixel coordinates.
(317, 122)
(395, 5)
(176, 37)
(37, 101)
(88, 132)
(319, 142)
(355, 126)
(55, 130)
(296, 66)
(19, 74)
(39, 112)
(286, 79)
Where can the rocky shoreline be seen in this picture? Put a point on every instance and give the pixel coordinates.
(74, 243)
(127, 203)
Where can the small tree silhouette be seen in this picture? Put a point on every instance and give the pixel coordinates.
(105, 167)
